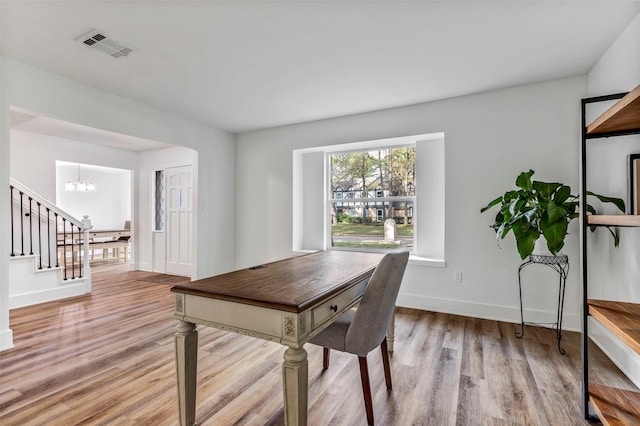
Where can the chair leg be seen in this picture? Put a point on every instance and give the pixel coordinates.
(325, 358)
(366, 388)
(385, 363)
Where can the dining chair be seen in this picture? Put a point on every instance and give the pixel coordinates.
(359, 331)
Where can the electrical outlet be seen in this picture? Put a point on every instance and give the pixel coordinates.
(457, 276)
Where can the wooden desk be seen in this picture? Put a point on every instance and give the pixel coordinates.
(287, 302)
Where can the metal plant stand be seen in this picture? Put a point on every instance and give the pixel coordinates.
(560, 264)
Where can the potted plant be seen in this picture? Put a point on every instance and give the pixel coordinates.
(538, 208)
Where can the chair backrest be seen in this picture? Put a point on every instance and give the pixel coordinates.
(369, 325)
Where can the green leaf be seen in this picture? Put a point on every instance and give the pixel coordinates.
(516, 206)
(510, 195)
(505, 212)
(546, 189)
(526, 241)
(615, 234)
(491, 204)
(562, 194)
(554, 233)
(571, 207)
(618, 202)
(555, 212)
(502, 231)
(530, 215)
(524, 180)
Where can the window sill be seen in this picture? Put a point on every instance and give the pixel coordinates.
(413, 259)
(425, 261)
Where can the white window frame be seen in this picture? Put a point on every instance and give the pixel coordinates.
(311, 220)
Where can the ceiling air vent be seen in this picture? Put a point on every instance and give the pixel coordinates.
(99, 41)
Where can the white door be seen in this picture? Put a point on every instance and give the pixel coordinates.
(179, 225)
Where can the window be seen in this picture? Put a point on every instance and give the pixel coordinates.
(317, 208)
(379, 214)
(159, 200)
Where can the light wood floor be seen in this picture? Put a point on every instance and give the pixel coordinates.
(107, 359)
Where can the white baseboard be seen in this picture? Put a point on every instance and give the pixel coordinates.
(70, 288)
(143, 266)
(6, 339)
(570, 322)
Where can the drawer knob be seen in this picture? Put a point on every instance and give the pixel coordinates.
(334, 308)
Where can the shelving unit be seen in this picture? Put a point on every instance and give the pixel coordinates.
(613, 406)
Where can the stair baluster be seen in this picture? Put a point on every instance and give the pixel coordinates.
(73, 255)
(39, 236)
(21, 224)
(49, 237)
(64, 246)
(30, 227)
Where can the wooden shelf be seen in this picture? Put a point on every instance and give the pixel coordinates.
(615, 407)
(614, 220)
(621, 318)
(624, 115)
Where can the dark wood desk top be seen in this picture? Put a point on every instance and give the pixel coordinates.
(291, 285)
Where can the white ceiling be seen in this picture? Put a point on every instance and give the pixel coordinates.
(244, 65)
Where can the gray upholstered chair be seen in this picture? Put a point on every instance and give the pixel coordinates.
(361, 330)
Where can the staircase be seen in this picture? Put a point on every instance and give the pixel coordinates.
(48, 250)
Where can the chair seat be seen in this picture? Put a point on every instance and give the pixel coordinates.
(334, 337)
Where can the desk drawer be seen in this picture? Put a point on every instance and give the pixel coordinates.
(114, 234)
(337, 304)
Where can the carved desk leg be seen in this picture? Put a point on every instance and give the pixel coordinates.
(391, 332)
(186, 340)
(295, 377)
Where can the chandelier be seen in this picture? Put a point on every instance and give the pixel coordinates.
(79, 185)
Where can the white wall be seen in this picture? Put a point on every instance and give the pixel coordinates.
(33, 151)
(37, 152)
(50, 95)
(614, 273)
(6, 334)
(489, 139)
(109, 207)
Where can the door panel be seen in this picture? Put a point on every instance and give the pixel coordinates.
(179, 220)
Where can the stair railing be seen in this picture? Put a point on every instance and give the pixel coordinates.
(59, 237)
